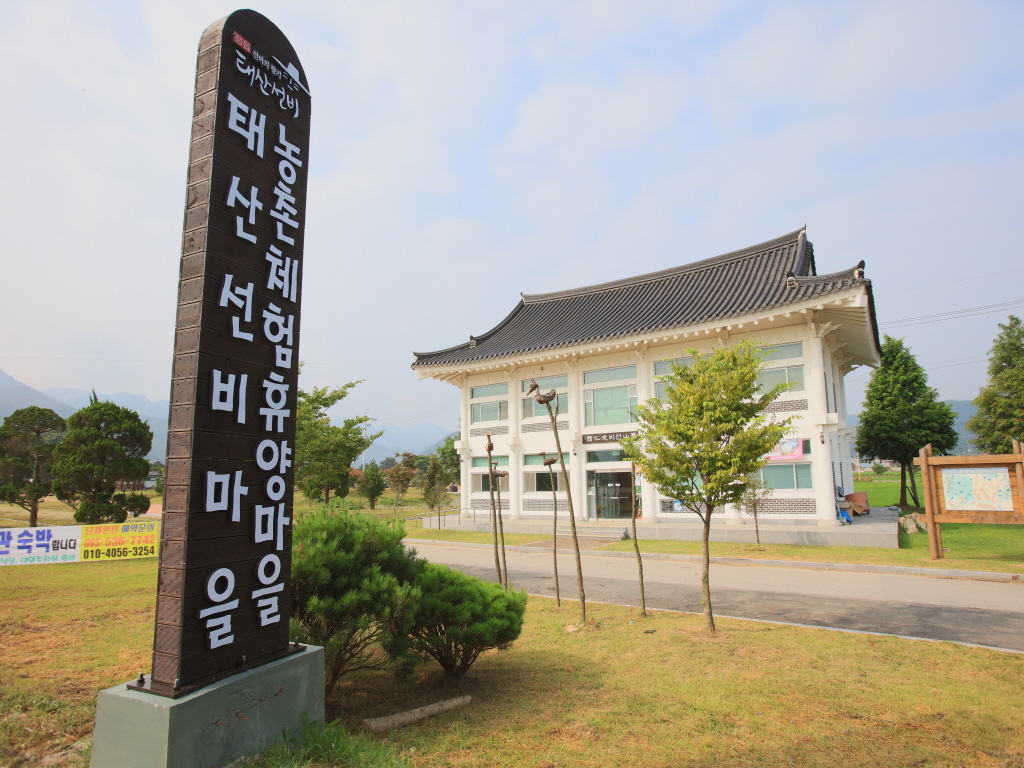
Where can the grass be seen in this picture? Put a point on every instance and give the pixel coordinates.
(615, 693)
(51, 512)
(972, 547)
(68, 631)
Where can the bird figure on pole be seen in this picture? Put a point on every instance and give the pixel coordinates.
(540, 398)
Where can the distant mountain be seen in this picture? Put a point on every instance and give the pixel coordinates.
(142, 405)
(418, 439)
(14, 396)
(433, 448)
(964, 410)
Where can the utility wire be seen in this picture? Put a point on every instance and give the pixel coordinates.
(952, 314)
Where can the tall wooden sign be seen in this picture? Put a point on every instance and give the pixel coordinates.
(225, 558)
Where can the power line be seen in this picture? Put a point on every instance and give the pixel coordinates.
(953, 314)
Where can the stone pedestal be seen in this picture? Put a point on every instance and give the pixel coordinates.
(232, 717)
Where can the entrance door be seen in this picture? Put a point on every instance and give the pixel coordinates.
(608, 495)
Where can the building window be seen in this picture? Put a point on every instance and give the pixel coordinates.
(784, 477)
(664, 367)
(489, 391)
(540, 482)
(772, 377)
(559, 406)
(660, 390)
(784, 351)
(613, 405)
(548, 382)
(536, 460)
(482, 483)
(613, 455)
(496, 410)
(610, 374)
(481, 461)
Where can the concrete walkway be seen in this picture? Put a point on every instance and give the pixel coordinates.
(989, 613)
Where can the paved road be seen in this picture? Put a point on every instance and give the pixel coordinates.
(966, 611)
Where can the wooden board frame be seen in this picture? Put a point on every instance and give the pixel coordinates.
(935, 500)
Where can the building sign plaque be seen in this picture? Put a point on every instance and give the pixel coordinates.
(606, 437)
(225, 550)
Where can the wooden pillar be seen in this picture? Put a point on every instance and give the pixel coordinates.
(934, 545)
(1020, 472)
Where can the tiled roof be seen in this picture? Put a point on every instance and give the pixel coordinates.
(727, 286)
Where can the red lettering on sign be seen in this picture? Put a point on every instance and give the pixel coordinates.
(241, 42)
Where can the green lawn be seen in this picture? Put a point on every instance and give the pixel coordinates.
(972, 547)
(625, 691)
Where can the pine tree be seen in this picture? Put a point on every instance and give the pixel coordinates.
(902, 414)
(1000, 416)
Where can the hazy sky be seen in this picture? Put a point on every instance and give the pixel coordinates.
(464, 152)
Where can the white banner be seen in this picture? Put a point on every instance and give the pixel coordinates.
(79, 543)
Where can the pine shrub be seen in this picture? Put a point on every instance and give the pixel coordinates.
(458, 617)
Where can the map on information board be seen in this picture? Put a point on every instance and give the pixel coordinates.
(977, 489)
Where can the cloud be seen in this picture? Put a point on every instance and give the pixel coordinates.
(463, 153)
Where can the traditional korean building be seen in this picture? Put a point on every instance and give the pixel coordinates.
(604, 347)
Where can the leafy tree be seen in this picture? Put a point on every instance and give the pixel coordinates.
(701, 443)
(448, 457)
(26, 447)
(422, 462)
(400, 476)
(158, 486)
(387, 463)
(1000, 416)
(105, 444)
(458, 617)
(435, 485)
(753, 499)
(878, 469)
(352, 589)
(902, 414)
(373, 483)
(324, 452)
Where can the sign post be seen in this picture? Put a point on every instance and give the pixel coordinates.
(225, 552)
(970, 489)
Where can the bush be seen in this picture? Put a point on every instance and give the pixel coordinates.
(458, 617)
(352, 589)
(115, 511)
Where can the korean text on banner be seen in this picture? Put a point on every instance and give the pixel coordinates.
(77, 543)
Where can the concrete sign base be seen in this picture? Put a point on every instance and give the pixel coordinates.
(235, 716)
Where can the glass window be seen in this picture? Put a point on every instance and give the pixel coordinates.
(610, 374)
(560, 406)
(488, 391)
(772, 377)
(664, 367)
(540, 482)
(784, 351)
(536, 460)
(548, 382)
(612, 455)
(481, 461)
(494, 411)
(482, 483)
(613, 405)
(660, 390)
(787, 476)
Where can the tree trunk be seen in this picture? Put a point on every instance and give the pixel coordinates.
(572, 517)
(705, 582)
(903, 484)
(501, 532)
(554, 534)
(494, 521)
(33, 513)
(913, 486)
(757, 532)
(636, 544)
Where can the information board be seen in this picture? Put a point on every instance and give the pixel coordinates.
(977, 489)
(225, 559)
(79, 543)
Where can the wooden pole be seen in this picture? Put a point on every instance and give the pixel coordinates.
(1020, 473)
(929, 505)
(382, 724)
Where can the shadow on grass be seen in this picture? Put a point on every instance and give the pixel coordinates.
(500, 682)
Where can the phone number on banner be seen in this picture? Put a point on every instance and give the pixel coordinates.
(79, 543)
